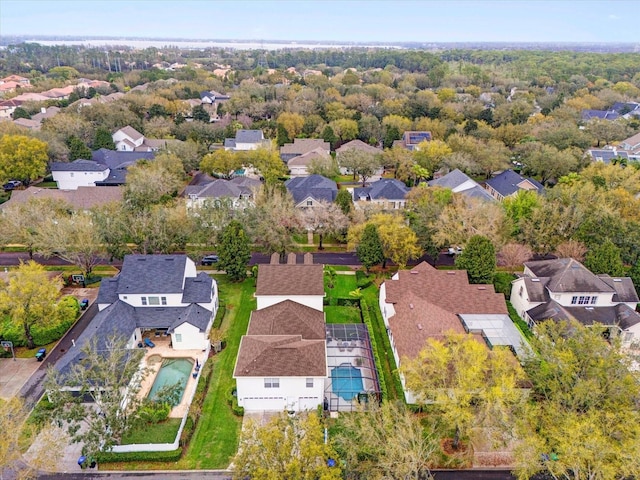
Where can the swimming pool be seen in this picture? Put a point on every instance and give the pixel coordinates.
(173, 371)
(346, 381)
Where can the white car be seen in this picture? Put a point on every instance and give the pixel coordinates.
(454, 251)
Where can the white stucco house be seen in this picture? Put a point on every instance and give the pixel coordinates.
(282, 360)
(246, 140)
(128, 139)
(564, 289)
(79, 173)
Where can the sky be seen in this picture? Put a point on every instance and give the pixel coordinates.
(333, 20)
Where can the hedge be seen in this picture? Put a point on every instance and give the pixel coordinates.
(362, 279)
(232, 401)
(196, 405)
(222, 309)
(367, 321)
(170, 456)
(43, 334)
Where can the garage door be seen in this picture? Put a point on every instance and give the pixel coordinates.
(308, 403)
(275, 404)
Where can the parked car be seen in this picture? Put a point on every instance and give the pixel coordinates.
(209, 260)
(11, 185)
(454, 251)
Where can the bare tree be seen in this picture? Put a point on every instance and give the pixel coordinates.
(514, 255)
(325, 219)
(571, 249)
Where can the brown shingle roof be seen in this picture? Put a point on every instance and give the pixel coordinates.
(358, 145)
(427, 302)
(280, 356)
(83, 198)
(290, 280)
(288, 318)
(304, 145)
(131, 132)
(307, 158)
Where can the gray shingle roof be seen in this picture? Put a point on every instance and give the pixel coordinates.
(115, 159)
(477, 192)
(217, 189)
(78, 165)
(625, 291)
(230, 142)
(249, 136)
(451, 180)
(115, 177)
(194, 315)
(152, 274)
(108, 292)
(315, 186)
(619, 315)
(197, 289)
(358, 145)
(568, 275)
(537, 289)
(385, 188)
(506, 183)
(130, 132)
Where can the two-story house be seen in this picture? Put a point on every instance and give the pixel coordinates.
(239, 191)
(509, 183)
(160, 293)
(282, 360)
(311, 191)
(128, 139)
(79, 173)
(387, 193)
(246, 140)
(564, 289)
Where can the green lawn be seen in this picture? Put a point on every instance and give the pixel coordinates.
(342, 314)
(342, 286)
(163, 432)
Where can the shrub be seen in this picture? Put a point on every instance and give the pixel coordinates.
(222, 309)
(232, 401)
(171, 456)
(502, 282)
(367, 321)
(362, 279)
(155, 412)
(196, 404)
(187, 431)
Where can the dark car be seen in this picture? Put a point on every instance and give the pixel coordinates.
(11, 185)
(209, 260)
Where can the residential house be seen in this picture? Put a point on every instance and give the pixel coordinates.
(281, 362)
(631, 146)
(459, 182)
(27, 123)
(300, 146)
(411, 139)
(564, 289)
(239, 191)
(25, 82)
(128, 139)
(624, 110)
(301, 283)
(7, 107)
(590, 114)
(312, 190)
(424, 303)
(387, 193)
(118, 163)
(246, 140)
(608, 155)
(299, 166)
(31, 97)
(509, 183)
(9, 87)
(79, 173)
(82, 198)
(159, 293)
(45, 113)
(61, 93)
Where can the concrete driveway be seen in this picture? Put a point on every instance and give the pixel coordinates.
(14, 374)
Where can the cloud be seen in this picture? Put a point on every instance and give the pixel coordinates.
(614, 17)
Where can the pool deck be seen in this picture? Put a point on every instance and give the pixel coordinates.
(162, 349)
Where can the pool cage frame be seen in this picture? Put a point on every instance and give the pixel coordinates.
(349, 345)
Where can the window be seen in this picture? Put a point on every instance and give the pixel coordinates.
(271, 383)
(309, 203)
(628, 336)
(583, 300)
(178, 337)
(163, 300)
(309, 382)
(144, 300)
(574, 300)
(594, 300)
(154, 300)
(521, 290)
(71, 174)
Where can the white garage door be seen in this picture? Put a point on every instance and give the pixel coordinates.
(308, 403)
(275, 404)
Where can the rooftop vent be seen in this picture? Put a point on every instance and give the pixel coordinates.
(141, 259)
(482, 288)
(413, 272)
(419, 326)
(169, 259)
(411, 306)
(617, 279)
(535, 279)
(589, 308)
(451, 272)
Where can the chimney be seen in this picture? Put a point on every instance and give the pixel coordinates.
(275, 258)
(308, 259)
(291, 259)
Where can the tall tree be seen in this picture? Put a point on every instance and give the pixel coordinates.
(103, 139)
(22, 158)
(324, 219)
(583, 420)
(362, 164)
(234, 251)
(468, 383)
(286, 447)
(115, 405)
(77, 149)
(369, 250)
(72, 237)
(221, 163)
(30, 298)
(344, 201)
(386, 441)
(605, 258)
(153, 183)
(12, 417)
(478, 259)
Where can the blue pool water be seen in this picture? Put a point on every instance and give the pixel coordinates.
(173, 371)
(346, 381)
